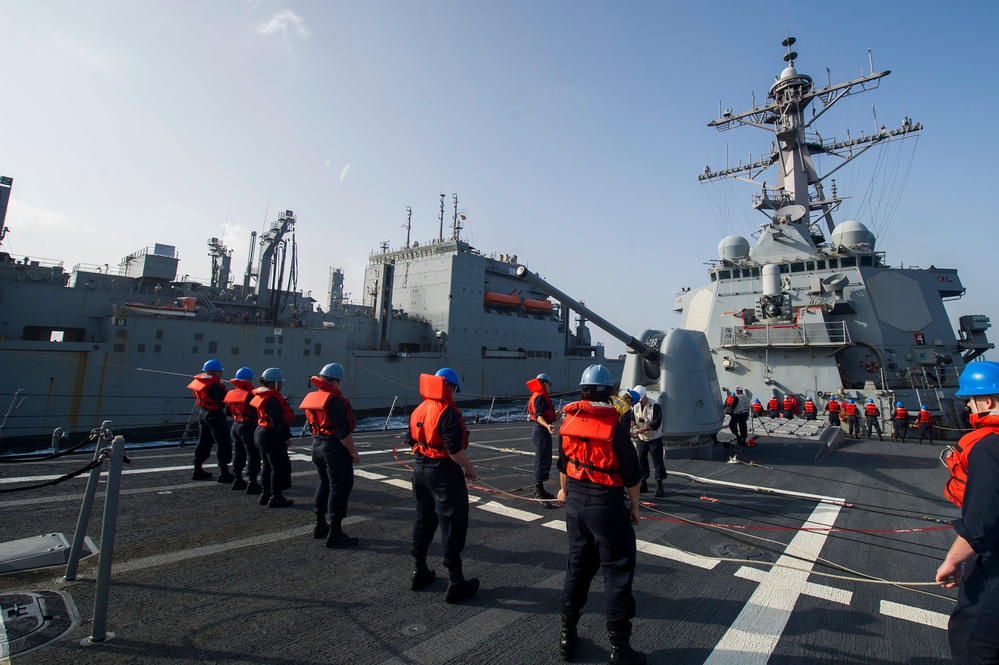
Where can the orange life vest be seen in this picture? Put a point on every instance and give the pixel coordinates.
(757, 408)
(315, 405)
(773, 404)
(259, 402)
(851, 409)
(809, 406)
(238, 401)
(437, 398)
(588, 443)
(957, 460)
(901, 413)
(870, 409)
(538, 388)
(789, 403)
(200, 386)
(925, 416)
(832, 406)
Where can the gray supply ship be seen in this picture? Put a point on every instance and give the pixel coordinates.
(814, 308)
(97, 343)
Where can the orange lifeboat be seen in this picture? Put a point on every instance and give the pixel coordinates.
(538, 305)
(501, 299)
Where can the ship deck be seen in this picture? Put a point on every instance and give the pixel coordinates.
(204, 574)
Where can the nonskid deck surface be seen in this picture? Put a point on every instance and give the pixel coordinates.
(203, 573)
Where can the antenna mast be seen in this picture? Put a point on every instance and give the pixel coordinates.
(409, 223)
(440, 234)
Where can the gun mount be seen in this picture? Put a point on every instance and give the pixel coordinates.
(676, 369)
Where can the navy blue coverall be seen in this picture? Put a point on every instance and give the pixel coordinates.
(333, 462)
(213, 428)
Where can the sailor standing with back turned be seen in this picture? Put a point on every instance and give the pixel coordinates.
(213, 426)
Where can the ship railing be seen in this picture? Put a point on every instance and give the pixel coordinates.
(828, 334)
(931, 376)
(38, 262)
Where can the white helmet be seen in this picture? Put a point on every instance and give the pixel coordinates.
(641, 392)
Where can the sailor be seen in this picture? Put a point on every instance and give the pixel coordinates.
(872, 417)
(757, 408)
(273, 437)
(543, 413)
(773, 408)
(852, 418)
(789, 407)
(809, 409)
(244, 423)
(740, 415)
(331, 420)
(623, 403)
(213, 428)
(973, 630)
(832, 408)
(649, 429)
(925, 419)
(597, 464)
(900, 423)
(439, 439)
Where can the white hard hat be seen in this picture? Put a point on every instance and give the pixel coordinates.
(738, 389)
(641, 392)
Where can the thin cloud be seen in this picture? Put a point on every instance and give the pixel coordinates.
(286, 25)
(21, 213)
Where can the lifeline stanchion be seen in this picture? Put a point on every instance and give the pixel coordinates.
(86, 507)
(489, 417)
(99, 632)
(389, 416)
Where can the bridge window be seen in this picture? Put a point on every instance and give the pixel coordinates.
(798, 267)
(866, 261)
(820, 265)
(833, 264)
(724, 274)
(809, 265)
(849, 262)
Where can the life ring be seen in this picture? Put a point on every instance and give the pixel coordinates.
(872, 367)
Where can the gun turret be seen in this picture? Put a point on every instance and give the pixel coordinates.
(677, 371)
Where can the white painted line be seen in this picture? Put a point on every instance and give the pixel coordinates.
(819, 591)
(558, 525)
(369, 475)
(914, 614)
(383, 452)
(674, 554)
(753, 636)
(768, 490)
(506, 511)
(512, 451)
(404, 484)
(472, 498)
(299, 457)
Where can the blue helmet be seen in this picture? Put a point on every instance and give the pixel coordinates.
(272, 374)
(756, 400)
(923, 407)
(450, 376)
(596, 375)
(870, 400)
(244, 374)
(634, 397)
(981, 378)
(851, 401)
(333, 371)
(544, 377)
(899, 404)
(213, 366)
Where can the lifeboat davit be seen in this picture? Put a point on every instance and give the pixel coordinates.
(501, 299)
(538, 305)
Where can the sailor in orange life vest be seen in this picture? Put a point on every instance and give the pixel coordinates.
(439, 439)
(973, 630)
(852, 418)
(773, 407)
(832, 408)
(597, 465)
(543, 413)
(925, 424)
(809, 409)
(244, 424)
(900, 423)
(209, 393)
(872, 416)
(331, 420)
(273, 437)
(789, 404)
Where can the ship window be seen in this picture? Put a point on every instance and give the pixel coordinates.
(746, 272)
(306, 352)
(797, 267)
(724, 274)
(866, 261)
(318, 349)
(833, 264)
(269, 339)
(268, 352)
(159, 334)
(279, 351)
(280, 339)
(141, 348)
(213, 347)
(809, 265)
(849, 262)
(820, 265)
(119, 348)
(194, 349)
(756, 272)
(157, 348)
(783, 268)
(199, 336)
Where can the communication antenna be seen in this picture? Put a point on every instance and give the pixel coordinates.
(409, 223)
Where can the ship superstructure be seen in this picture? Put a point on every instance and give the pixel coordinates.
(99, 342)
(814, 308)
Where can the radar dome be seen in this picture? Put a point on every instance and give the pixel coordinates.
(733, 248)
(851, 233)
(789, 73)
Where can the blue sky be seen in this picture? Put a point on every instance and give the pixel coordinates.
(572, 132)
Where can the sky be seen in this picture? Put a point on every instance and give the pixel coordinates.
(572, 132)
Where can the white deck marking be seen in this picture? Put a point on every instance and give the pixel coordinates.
(661, 551)
(558, 525)
(369, 475)
(914, 614)
(820, 591)
(299, 457)
(502, 509)
(754, 634)
(472, 498)
(512, 451)
(768, 490)
(397, 482)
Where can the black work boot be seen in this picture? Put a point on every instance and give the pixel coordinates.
(567, 638)
(253, 487)
(322, 527)
(660, 492)
(199, 473)
(264, 498)
(620, 639)
(422, 576)
(279, 501)
(337, 539)
(644, 487)
(238, 483)
(224, 475)
(541, 493)
(459, 589)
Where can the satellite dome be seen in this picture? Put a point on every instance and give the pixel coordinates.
(851, 233)
(733, 248)
(789, 73)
